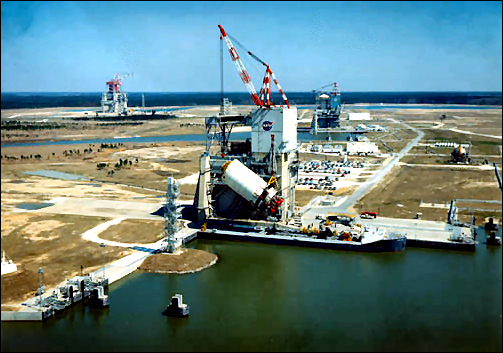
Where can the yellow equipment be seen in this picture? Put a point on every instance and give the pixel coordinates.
(272, 180)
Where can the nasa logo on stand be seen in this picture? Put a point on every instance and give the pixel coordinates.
(267, 125)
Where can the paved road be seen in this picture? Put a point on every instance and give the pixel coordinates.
(474, 133)
(104, 208)
(368, 185)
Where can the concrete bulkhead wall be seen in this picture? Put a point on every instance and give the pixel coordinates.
(21, 316)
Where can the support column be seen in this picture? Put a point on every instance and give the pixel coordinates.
(202, 188)
(285, 185)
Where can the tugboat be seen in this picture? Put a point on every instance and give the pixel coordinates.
(177, 308)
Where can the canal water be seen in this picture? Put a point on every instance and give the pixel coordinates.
(236, 136)
(55, 174)
(277, 298)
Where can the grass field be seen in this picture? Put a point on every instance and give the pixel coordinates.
(402, 192)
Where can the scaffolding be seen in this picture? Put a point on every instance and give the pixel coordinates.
(171, 217)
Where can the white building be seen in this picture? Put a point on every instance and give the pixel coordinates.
(361, 147)
(8, 266)
(282, 123)
(359, 116)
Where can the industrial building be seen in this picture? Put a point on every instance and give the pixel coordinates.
(328, 109)
(355, 147)
(254, 179)
(359, 116)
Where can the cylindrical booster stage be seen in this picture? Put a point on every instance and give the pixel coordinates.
(245, 182)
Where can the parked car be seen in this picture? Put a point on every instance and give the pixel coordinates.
(367, 214)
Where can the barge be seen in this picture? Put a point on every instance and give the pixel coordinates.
(338, 237)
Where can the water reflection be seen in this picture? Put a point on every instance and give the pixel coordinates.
(279, 298)
(98, 314)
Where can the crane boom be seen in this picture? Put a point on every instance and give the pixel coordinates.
(330, 84)
(117, 81)
(266, 83)
(241, 68)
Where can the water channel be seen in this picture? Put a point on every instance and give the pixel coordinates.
(277, 298)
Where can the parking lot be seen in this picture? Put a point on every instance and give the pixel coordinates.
(331, 175)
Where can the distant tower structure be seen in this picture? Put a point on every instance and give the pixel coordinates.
(328, 109)
(225, 107)
(170, 216)
(114, 100)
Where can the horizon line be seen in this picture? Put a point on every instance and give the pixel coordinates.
(311, 91)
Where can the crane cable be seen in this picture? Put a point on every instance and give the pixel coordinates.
(257, 60)
(253, 63)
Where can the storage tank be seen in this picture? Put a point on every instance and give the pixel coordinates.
(459, 151)
(245, 182)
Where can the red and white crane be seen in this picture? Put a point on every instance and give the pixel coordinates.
(114, 84)
(265, 92)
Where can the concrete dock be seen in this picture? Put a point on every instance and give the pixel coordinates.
(419, 233)
(30, 310)
(428, 234)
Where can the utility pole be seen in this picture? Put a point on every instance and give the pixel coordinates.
(221, 70)
(40, 288)
(102, 245)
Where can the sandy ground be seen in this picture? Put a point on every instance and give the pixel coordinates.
(155, 163)
(186, 261)
(398, 195)
(52, 237)
(134, 231)
(157, 153)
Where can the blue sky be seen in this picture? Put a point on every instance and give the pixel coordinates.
(175, 46)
